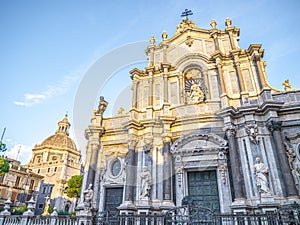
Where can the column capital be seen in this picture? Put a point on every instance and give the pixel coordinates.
(230, 130)
(167, 137)
(274, 125)
(132, 142)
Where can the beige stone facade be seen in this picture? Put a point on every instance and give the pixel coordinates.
(202, 113)
(57, 159)
(19, 184)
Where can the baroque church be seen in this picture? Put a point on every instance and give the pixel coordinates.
(205, 128)
(57, 159)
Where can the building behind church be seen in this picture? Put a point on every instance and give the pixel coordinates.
(19, 184)
(57, 159)
(205, 128)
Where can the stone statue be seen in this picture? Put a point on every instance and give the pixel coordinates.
(88, 196)
(287, 85)
(146, 181)
(261, 172)
(102, 105)
(196, 94)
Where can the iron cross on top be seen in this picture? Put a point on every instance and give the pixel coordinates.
(186, 14)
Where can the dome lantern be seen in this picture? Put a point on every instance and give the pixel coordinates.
(63, 126)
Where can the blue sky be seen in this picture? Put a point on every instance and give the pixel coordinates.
(47, 47)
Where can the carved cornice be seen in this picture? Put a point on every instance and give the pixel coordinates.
(91, 130)
(199, 135)
(294, 138)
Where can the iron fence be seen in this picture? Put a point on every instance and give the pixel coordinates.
(184, 215)
(195, 215)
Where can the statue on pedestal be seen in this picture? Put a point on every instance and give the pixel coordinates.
(88, 196)
(262, 176)
(146, 181)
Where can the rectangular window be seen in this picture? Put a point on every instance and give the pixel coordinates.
(48, 170)
(50, 189)
(55, 169)
(17, 181)
(31, 184)
(44, 190)
(41, 206)
(38, 171)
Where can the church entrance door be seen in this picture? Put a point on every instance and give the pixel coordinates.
(203, 189)
(113, 198)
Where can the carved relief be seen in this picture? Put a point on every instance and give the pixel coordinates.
(252, 131)
(223, 170)
(113, 172)
(179, 173)
(195, 90)
(291, 155)
(148, 145)
(189, 41)
(185, 25)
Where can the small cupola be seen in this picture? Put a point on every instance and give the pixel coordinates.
(63, 126)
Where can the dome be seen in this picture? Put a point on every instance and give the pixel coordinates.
(59, 140)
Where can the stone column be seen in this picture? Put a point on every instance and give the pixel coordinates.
(134, 94)
(238, 180)
(165, 87)
(240, 75)
(284, 167)
(131, 170)
(216, 41)
(150, 97)
(94, 148)
(167, 175)
(206, 82)
(181, 88)
(220, 70)
(256, 59)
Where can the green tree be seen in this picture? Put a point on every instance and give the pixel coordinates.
(4, 165)
(74, 186)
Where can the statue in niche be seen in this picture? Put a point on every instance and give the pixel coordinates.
(252, 131)
(146, 181)
(196, 94)
(88, 196)
(261, 172)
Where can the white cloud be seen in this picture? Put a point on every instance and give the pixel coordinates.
(57, 89)
(20, 152)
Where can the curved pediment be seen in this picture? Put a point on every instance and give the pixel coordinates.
(198, 141)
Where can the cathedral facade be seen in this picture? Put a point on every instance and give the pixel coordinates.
(57, 159)
(205, 128)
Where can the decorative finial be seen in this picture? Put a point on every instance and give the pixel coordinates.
(186, 13)
(213, 24)
(228, 22)
(164, 35)
(152, 40)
